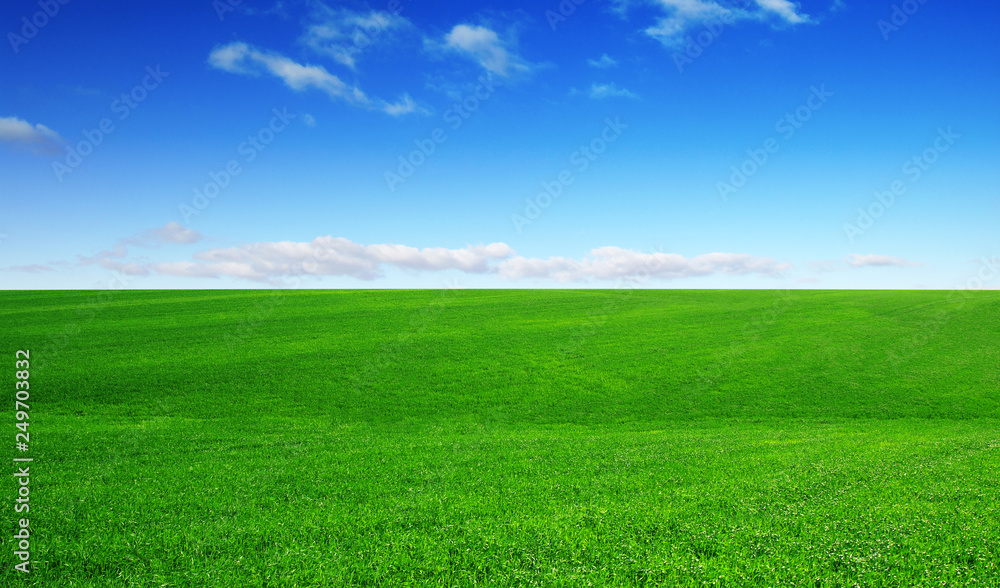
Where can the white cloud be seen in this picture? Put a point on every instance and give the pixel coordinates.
(405, 105)
(487, 48)
(241, 58)
(785, 9)
(172, 232)
(683, 15)
(615, 263)
(858, 260)
(599, 91)
(230, 57)
(34, 268)
(309, 120)
(118, 251)
(603, 63)
(336, 256)
(332, 256)
(109, 259)
(343, 34)
(38, 139)
(443, 85)
(129, 269)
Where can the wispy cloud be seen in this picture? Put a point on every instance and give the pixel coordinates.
(603, 63)
(113, 259)
(241, 58)
(119, 251)
(683, 15)
(615, 263)
(172, 232)
(273, 262)
(332, 256)
(31, 269)
(38, 139)
(485, 47)
(244, 59)
(858, 260)
(405, 105)
(343, 34)
(79, 90)
(785, 9)
(599, 91)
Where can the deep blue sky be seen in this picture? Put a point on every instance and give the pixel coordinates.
(314, 207)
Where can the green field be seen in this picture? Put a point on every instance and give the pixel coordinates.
(507, 437)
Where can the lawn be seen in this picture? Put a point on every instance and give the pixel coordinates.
(508, 437)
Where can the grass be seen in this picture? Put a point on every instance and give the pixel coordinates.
(530, 438)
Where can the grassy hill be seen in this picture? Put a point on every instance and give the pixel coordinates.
(510, 437)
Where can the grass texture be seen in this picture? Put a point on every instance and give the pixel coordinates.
(508, 437)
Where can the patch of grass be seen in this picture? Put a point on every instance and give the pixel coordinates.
(563, 438)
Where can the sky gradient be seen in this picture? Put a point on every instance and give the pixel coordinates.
(420, 144)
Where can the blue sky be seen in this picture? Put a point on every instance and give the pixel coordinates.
(653, 143)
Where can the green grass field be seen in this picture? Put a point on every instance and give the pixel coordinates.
(510, 438)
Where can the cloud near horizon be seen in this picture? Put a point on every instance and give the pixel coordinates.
(172, 232)
(34, 268)
(111, 259)
(331, 256)
(336, 256)
(858, 260)
(615, 263)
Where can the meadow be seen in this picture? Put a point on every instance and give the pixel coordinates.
(287, 438)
